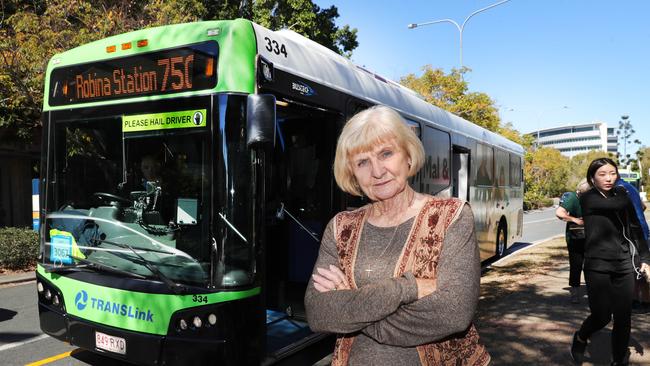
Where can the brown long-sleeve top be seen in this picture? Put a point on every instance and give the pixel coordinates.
(384, 311)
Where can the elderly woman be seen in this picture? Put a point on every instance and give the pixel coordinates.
(398, 279)
(615, 251)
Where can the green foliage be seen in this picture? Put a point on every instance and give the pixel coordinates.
(545, 174)
(627, 158)
(644, 159)
(451, 92)
(535, 199)
(301, 16)
(578, 166)
(18, 248)
(508, 131)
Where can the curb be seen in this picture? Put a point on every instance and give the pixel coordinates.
(17, 278)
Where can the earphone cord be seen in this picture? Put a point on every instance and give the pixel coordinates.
(632, 247)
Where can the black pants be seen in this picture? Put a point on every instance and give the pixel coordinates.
(576, 249)
(609, 293)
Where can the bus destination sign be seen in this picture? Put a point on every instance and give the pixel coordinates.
(186, 68)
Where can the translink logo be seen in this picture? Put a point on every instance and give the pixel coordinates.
(81, 299)
(122, 310)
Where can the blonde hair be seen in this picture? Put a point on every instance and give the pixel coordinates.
(583, 186)
(365, 130)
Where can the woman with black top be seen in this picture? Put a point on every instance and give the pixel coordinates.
(612, 259)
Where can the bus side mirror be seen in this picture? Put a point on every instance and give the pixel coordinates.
(260, 119)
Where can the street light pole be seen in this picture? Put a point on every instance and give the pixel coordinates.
(460, 28)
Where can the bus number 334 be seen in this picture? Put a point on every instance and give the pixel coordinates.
(199, 298)
(275, 47)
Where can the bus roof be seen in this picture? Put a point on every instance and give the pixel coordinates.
(313, 61)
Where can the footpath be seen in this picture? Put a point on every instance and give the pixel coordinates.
(525, 316)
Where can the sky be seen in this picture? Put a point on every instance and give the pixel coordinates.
(544, 63)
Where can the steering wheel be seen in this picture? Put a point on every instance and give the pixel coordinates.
(111, 198)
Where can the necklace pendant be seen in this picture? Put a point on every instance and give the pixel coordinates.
(368, 270)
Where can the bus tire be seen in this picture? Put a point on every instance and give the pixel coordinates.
(501, 241)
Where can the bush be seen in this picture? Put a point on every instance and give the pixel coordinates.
(534, 200)
(18, 248)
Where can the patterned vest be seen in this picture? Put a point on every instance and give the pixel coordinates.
(420, 256)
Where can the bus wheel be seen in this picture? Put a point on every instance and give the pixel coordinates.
(501, 241)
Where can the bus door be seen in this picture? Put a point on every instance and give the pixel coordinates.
(299, 201)
(460, 173)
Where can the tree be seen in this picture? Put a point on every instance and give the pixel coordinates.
(625, 132)
(301, 16)
(545, 173)
(450, 92)
(644, 162)
(508, 131)
(577, 168)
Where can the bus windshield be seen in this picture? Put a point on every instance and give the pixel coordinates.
(130, 200)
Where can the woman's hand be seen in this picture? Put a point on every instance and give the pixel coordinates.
(329, 279)
(578, 221)
(645, 269)
(425, 287)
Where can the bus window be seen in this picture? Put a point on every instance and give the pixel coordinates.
(503, 168)
(435, 173)
(114, 191)
(515, 170)
(485, 165)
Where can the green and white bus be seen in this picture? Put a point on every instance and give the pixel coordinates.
(206, 261)
(632, 177)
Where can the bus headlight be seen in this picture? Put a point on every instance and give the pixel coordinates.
(197, 322)
(39, 287)
(48, 294)
(212, 319)
(182, 324)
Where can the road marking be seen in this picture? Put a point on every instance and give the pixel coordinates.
(18, 344)
(53, 358)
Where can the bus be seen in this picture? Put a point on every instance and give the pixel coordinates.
(207, 260)
(634, 178)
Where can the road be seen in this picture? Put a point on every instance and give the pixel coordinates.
(539, 225)
(23, 343)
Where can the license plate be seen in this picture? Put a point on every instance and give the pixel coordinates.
(110, 343)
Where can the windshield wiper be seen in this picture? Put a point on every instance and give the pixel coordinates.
(103, 268)
(175, 287)
(61, 269)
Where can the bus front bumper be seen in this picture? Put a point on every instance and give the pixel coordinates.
(139, 348)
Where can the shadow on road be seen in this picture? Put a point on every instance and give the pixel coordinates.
(6, 314)
(12, 337)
